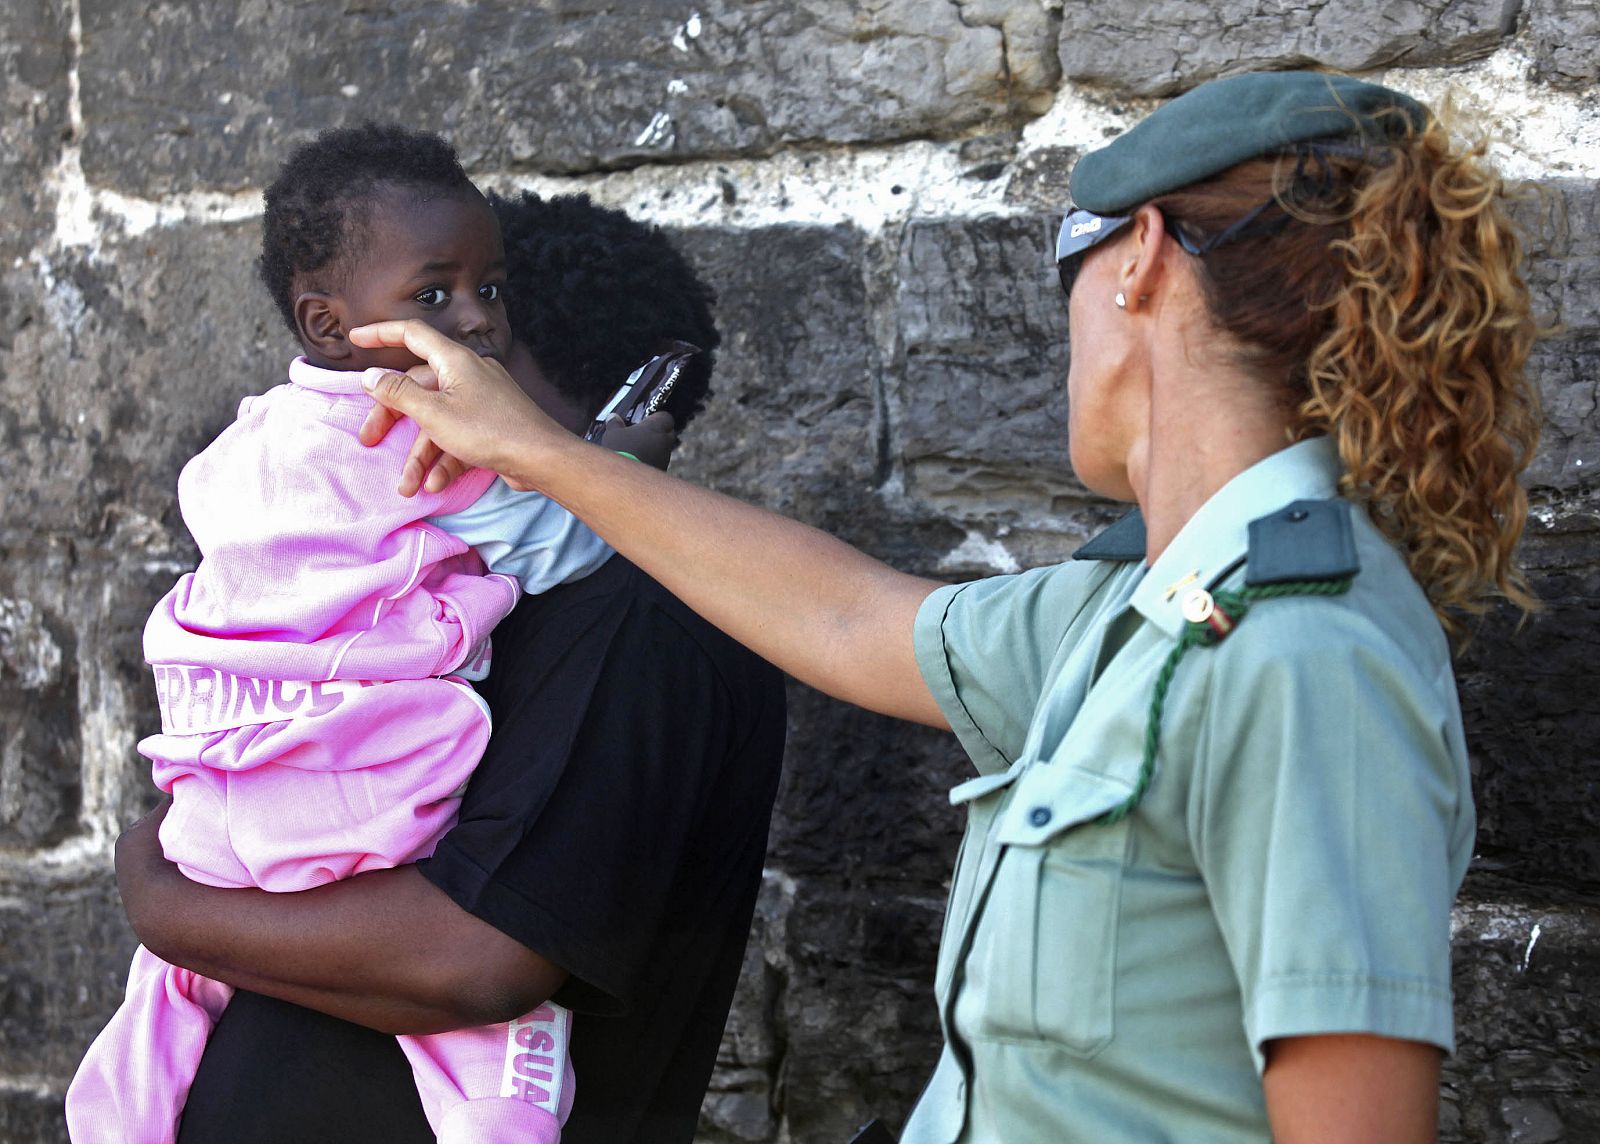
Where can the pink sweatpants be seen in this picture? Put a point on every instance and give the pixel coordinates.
(359, 777)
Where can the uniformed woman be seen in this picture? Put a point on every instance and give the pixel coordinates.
(1222, 802)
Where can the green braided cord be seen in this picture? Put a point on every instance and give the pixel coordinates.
(1236, 605)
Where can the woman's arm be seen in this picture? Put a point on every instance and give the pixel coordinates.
(817, 608)
(385, 949)
(1351, 1089)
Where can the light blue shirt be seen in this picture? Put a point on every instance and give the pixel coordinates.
(527, 536)
(1289, 871)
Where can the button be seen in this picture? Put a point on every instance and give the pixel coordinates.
(1297, 515)
(1039, 815)
(1198, 606)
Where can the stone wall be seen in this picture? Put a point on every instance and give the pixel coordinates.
(871, 187)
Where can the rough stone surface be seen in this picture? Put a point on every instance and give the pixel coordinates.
(796, 420)
(64, 951)
(1530, 697)
(34, 1119)
(1165, 48)
(1561, 222)
(193, 95)
(34, 59)
(39, 773)
(793, 420)
(834, 1023)
(1562, 34)
(863, 797)
(1527, 1062)
(118, 366)
(979, 409)
(857, 1019)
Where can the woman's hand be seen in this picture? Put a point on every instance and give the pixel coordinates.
(466, 406)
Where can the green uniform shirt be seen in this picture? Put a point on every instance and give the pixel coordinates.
(1289, 870)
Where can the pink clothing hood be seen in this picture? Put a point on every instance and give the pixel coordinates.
(312, 566)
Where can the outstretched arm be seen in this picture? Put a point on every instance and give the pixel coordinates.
(385, 949)
(822, 611)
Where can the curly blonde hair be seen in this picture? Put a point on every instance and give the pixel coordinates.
(1385, 296)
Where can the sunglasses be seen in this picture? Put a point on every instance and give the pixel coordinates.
(1082, 231)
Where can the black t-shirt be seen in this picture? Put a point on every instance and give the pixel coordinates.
(617, 825)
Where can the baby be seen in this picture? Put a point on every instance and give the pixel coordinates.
(311, 672)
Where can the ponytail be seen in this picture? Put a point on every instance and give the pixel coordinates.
(1390, 308)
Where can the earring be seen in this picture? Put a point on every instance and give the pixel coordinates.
(1121, 300)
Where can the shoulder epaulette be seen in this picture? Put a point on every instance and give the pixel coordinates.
(1307, 548)
(1307, 540)
(1122, 541)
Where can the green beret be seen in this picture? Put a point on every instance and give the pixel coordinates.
(1205, 131)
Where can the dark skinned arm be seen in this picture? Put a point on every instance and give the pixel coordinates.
(385, 949)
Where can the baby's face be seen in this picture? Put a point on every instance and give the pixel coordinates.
(439, 259)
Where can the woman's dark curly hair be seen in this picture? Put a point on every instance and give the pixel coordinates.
(595, 294)
(316, 209)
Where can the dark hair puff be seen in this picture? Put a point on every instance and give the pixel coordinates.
(594, 294)
(315, 206)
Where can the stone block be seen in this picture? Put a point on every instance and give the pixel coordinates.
(40, 752)
(794, 419)
(834, 1020)
(979, 414)
(182, 95)
(30, 1117)
(1166, 47)
(64, 952)
(1527, 986)
(1561, 39)
(148, 343)
(1530, 698)
(858, 1022)
(35, 52)
(863, 797)
(1039, 181)
(1560, 220)
(75, 694)
(740, 1104)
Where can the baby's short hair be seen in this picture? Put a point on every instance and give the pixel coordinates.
(316, 207)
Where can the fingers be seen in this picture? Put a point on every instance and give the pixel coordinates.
(419, 466)
(380, 419)
(661, 422)
(397, 391)
(444, 473)
(415, 335)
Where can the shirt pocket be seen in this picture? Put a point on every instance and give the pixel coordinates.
(1044, 957)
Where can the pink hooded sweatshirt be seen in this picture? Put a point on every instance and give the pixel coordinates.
(312, 729)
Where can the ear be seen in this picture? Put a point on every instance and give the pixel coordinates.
(1144, 268)
(320, 319)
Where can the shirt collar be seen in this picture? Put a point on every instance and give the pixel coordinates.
(1218, 535)
(337, 382)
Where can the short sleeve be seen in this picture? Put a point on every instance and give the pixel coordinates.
(986, 648)
(613, 722)
(526, 535)
(1332, 818)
